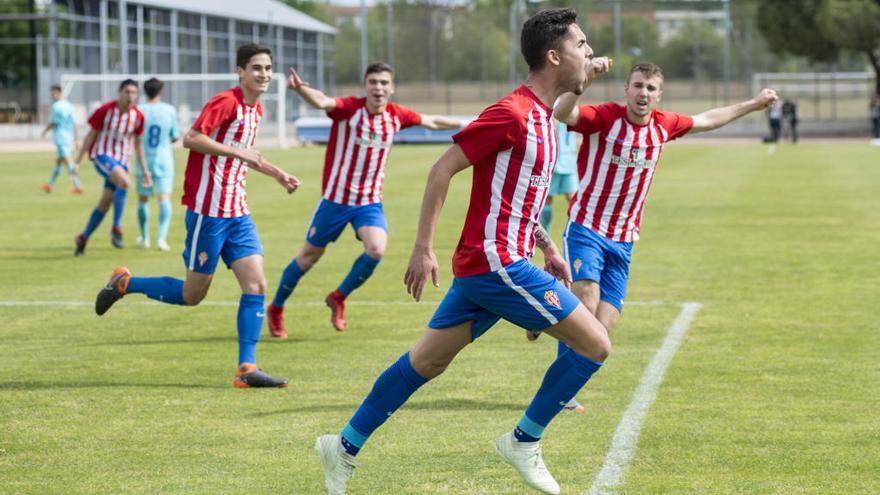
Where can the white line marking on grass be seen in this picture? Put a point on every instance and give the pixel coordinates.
(623, 444)
(292, 303)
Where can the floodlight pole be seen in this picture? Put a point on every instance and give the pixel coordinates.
(363, 36)
(389, 23)
(617, 81)
(511, 65)
(726, 66)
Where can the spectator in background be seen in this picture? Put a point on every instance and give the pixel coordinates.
(875, 115)
(789, 113)
(774, 116)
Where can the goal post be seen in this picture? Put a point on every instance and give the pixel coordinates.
(822, 95)
(187, 92)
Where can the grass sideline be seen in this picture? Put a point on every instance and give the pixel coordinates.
(773, 390)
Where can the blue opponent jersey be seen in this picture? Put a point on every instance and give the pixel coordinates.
(160, 129)
(63, 122)
(566, 146)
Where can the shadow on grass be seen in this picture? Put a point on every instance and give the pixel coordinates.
(232, 339)
(432, 405)
(79, 385)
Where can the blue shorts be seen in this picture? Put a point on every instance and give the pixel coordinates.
(330, 219)
(209, 238)
(594, 257)
(63, 150)
(521, 293)
(161, 184)
(563, 184)
(105, 164)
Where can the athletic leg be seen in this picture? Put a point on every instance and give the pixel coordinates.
(164, 220)
(144, 221)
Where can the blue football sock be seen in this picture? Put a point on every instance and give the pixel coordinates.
(391, 390)
(164, 218)
(360, 271)
(561, 348)
(144, 220)
(119, 196)
(546, 216)
(288, 282)
(166, 289)
(55, 172)
(563, 380)
(94, 221)
(250, 324)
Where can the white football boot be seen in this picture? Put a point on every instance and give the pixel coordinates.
(337, 463)
(526, 458)
(163, 245)
(143, 243)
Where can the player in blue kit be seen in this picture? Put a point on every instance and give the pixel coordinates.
(62, 123)
(565, 181)
(161, 129)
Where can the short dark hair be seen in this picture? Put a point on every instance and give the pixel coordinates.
(128, 82)
(377, 67)
(647, 69)
(246, 53)
(55, 87)
(544, 31)
(153, 87)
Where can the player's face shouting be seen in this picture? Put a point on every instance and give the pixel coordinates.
(128, 95)
(575, 56)
(643, 94)
(379, 86)
(258, 73)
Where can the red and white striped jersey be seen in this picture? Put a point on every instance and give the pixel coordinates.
(116, 130)
(354, 163)
(616, 166)
(214, 185)
(512, 146)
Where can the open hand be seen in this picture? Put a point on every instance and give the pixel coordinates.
(555, 265)
(294, 81)
(421, 263)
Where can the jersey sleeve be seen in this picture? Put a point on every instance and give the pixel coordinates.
(96, 121)
(139, 130)
(592, 119)
(345, 108)
(216, 112)
(492, 131)
(676, 124)
(408, 117)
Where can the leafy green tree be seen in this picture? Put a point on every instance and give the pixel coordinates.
(696, 52)
(821, 29)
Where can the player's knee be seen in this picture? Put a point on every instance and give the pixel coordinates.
(258, 287)
(430, 368)
(600, 349)
(375, 251)
(192, 298)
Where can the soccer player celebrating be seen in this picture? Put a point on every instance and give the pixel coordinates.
(512, 147)
(62, 123)
(616, 165)
(116, 127)
(354, 170)
(218, 221)
(162, 129)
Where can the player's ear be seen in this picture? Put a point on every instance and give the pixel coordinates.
(554, 57)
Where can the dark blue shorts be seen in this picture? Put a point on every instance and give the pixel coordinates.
(209, 238)
(521, 293)
(330, 219)
(594, 257)
(105, 164)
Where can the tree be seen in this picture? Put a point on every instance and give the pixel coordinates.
(821, 29)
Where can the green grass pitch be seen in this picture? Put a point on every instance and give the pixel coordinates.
(773, 390)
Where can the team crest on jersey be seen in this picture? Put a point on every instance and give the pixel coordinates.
(203, 257)
(552, 299)
(578, 263)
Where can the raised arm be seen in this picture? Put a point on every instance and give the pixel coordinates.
(314, 97)
(440, 123)
(719, 117)
(422, 262)
(566, 109)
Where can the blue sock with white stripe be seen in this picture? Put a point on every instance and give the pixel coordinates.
(361, 270)
(119, 196)
(94, 221)
(164, 219)
(55, 174)
(288, 282)
(391, 390)
(565, 377)
(144, 220)
(250, 324)
(165, 289)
